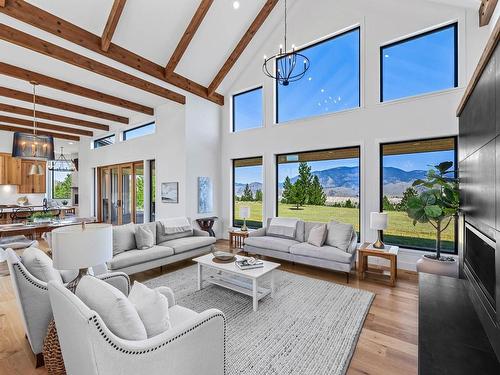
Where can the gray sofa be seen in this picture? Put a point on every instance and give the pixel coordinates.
(300, 251)
(167, 248)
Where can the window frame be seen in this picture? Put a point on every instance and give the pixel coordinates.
(276, 197)
(53, 186)
(418, 35)
(381, 185)
(103, 138)
(314, 44)
(124, 133)
(233, 108)
(233, 190)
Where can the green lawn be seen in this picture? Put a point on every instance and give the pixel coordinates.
(401, 230)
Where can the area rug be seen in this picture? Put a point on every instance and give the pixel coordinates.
(310, 326)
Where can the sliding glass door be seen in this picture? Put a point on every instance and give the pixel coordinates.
(119, 187)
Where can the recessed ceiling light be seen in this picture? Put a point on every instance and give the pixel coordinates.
(236, 4)
(71, 143)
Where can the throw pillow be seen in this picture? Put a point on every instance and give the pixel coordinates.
(40, 265)
(123, 238)
(144, 237)
(282, 227)
(152, 307)
(317, 235)
(117, 312)
(339, 235)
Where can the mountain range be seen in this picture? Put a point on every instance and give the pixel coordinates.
(344, 181)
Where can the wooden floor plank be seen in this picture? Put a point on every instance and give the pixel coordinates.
(387, 344)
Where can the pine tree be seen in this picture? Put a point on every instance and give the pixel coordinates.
(409, 193)
(302, 185)
(247, 195)
(258, 195)
(316, 196)
(287, 194)
(387, 205)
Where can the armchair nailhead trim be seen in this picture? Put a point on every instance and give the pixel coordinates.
(104, 278)
(29, 279)
(137, 352)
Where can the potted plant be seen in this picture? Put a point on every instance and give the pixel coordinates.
(64, 202)
(436, 204)
(41, 217)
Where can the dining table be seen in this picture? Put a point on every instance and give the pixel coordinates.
(35, 229)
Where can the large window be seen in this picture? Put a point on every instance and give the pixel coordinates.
(61, 184)
(106, 141)
(247, 110)
(331, 84)
(420, 64)
(247, 191)
(401, 164)
(139, 131)
(320, 185)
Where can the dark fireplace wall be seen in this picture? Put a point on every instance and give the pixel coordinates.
(479, 172)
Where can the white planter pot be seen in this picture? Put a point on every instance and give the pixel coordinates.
(438, 267)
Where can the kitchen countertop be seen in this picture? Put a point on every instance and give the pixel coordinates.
(7, 208)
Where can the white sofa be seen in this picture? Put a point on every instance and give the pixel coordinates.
(167, 249)
(32, 298)
(299, 251)
(194, 345)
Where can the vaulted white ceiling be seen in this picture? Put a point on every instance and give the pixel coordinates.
(149, 28)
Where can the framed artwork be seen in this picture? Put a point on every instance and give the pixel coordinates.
(170, 192)
(205, 195)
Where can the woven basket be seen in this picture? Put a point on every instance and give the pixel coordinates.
(52, 355)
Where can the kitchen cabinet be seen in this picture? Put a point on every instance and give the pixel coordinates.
(10, 170)
(32, 184)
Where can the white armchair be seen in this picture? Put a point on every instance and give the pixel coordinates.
(33, 300)
(194, 345)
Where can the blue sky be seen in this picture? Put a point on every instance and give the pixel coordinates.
(248, 110)
(419, 65)
(331, 83)
(246, 175)
(421, 161)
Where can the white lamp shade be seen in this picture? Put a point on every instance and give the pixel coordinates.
(244, 212)
(378, 220)
(74, 247)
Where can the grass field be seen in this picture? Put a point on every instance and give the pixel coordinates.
(401, 230)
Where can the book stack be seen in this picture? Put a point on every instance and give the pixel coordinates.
(248, 264)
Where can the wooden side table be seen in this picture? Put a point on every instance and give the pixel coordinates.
(390, 253)
(237, 238)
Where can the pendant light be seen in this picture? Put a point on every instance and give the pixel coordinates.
(287, 66)
(61, 164)
(33, 146)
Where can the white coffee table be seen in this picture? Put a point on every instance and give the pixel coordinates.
(241, 281)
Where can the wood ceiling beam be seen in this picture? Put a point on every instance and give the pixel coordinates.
(11, 35)
(486, 10)
(27, 97)
(113, 18)
(43, 125)
(30, 14)
(10, 128)
(188, 35)
(2, 3)
(52, 117)
(242, 44)
(27, 75)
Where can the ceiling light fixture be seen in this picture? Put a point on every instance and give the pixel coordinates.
(236, 4)
(62, 164)
(33, 146)
(285, 64)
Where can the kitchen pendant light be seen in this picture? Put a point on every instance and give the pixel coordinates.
(33, 146)
(61, 164)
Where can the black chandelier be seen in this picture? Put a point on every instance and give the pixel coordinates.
(285, 63)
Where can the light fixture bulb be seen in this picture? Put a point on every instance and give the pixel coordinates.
(236, 4)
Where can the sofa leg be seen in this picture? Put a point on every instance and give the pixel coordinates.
(347, 277)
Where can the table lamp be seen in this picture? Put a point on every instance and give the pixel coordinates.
(244, 214)
(378, 221)
(78, 247)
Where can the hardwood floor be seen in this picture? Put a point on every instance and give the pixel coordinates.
(387, 344)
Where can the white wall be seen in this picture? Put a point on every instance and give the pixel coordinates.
(184, 147)
(420, 117)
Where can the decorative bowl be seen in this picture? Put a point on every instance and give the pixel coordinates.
(222, 255)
